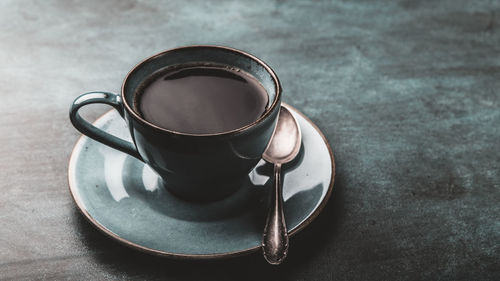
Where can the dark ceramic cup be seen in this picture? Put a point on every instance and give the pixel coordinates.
(194, 167)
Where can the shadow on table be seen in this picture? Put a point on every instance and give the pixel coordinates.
(305, 248)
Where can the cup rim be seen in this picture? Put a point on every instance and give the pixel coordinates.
(267, 112)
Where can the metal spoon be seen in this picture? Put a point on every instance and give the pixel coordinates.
(283, 148)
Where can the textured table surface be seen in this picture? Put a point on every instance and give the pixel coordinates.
(407, 92)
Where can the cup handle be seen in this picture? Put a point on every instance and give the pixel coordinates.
(97, 134)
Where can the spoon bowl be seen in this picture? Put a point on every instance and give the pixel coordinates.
(285, 142)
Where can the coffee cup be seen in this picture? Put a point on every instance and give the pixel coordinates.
(194, 166)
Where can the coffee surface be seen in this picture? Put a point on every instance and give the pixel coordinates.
(201, 99)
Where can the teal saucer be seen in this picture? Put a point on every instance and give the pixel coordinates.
(122, 197)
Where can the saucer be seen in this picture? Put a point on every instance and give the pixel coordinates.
(123, 198)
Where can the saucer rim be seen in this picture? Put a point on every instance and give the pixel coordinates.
(109, 233)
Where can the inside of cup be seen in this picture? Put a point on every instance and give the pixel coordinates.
(201, 54)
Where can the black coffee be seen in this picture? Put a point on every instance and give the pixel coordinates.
(201, 99)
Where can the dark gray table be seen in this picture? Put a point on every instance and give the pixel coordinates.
(407, 92)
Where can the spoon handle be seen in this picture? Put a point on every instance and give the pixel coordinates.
(275, 240)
